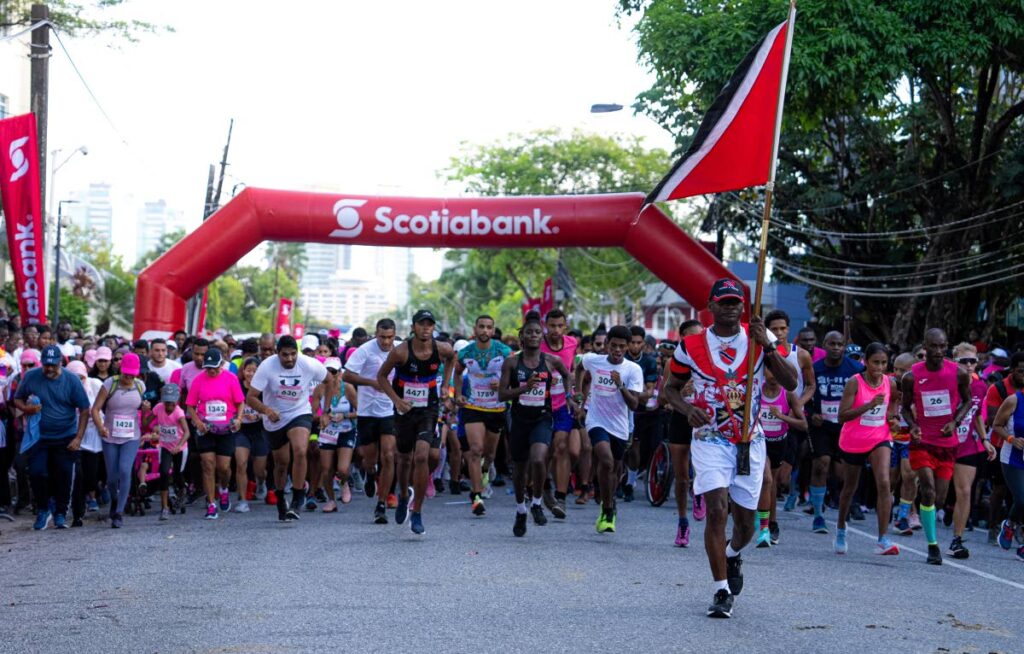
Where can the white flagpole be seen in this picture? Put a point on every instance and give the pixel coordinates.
(755, 309)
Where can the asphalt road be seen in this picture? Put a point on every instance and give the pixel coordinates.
(247, 583)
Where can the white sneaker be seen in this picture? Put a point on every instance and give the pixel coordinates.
(356, 475)
(241, 507)
(488, 492)
(261, 491)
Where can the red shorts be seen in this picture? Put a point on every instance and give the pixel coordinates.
(939, 459)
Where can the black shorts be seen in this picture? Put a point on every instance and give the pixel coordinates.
(494, 421)
(993, 470)
(253, 438)
(523, 435)
(417, 425)
(279, 438)
(219, 444)
(781, 451)
(825, 440)
(370, 429)
(976, 460)
(346, 440)
(679, 430)
(861, 458)
(598, 434)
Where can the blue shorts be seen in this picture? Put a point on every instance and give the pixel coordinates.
(253, 438)
(599, 434)
(899, 451)
(460, 431)
(562, 419)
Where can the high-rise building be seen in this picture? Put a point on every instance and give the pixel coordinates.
(93, 211)
(345, 300)
(155, 220)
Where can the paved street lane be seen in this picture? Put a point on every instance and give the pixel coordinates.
(247, 583)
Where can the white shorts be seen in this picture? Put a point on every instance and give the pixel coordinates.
(715, 465)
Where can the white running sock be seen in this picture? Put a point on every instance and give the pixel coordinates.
(721, 585)
(536, 501)
(521, 508)
(631, 477)
(730, 552)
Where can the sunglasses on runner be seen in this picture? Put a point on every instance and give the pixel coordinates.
(920, 355)
(967, 361)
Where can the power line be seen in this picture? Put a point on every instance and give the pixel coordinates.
(88, 89)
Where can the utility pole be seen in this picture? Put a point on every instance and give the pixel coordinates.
(39, 55)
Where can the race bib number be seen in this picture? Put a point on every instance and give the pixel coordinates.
(484, 395)
(417, 394)
(216, 411)
(122, 427)
(830, 410)
(168, 434)
(652, 401)
(249, 414)
(290, 394)
(963, 430)
(535, 397)
(874, 418)
(556, 384)
(936, 403)
(603, 382)
(769, 422)
(329, 434)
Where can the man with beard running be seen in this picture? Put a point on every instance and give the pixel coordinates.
(558, 343)
(936, 398)
(280, 392)
(527, 381)
(483, 414)
(716, 361)
(375, 425)
(416, 396)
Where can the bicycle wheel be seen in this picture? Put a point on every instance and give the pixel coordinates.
(659, 476)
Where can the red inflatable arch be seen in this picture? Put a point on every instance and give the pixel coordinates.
(258, 215)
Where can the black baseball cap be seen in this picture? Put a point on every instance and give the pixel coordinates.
(726, 288)
(213, 358)
(423, 314)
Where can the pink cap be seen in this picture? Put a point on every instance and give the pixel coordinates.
(77, 368)
(104, 354)
(130, 364)
(90, 358)
(30, 354)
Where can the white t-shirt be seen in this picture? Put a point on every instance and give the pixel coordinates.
(91, 441)
(164, 373)
(286, 391)
(365, 362)
(729, 357)
(607, 408)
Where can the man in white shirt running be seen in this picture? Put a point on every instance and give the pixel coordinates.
(158, 361)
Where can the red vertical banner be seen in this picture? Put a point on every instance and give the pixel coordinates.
(19, 190)
(300, 330)
(531, 304)
(284, 317)
(547, 299)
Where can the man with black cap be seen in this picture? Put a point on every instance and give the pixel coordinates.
(417, 396)
(280, 391)
(716, 361)
(61, 402)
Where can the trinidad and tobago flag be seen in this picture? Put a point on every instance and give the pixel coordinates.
(735, 145)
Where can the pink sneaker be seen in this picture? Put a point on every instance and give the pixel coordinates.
(346, 493)
(683, 535)
(431, 491)
(700, 509)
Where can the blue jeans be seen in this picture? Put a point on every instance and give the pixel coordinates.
(120, 458)
(51, 468)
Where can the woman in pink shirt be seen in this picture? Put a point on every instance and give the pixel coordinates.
(215, 408)
(869, 398)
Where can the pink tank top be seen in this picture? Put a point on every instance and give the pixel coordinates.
(966, 435)
(775, 429)
(567, 354)
(936, 400)
(869, 429)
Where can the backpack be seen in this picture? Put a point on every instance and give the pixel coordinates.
(140, 388)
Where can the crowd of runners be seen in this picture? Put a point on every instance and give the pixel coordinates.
(108, 427)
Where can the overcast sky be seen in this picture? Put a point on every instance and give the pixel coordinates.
(365, 97)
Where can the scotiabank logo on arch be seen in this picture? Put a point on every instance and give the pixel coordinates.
(444, 222)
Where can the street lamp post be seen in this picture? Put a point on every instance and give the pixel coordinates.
(56, 297)
(53, 174)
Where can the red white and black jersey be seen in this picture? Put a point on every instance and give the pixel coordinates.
(718, 367)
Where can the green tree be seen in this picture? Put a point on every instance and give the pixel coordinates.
(80, 18)
(542, 163)
(899, 116)
(73, 308)
(166, 242)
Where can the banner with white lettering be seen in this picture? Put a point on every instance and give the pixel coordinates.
(284, 317)
(19, 190)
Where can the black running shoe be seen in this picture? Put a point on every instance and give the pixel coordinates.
(537, 511)
(519, 528)
(934, 555)
(734, 574)
(627, 493)
(558, 510)
(773, 532)
(454, 487)
(370, 485)
(856, 513)
(957, 549)
(282, 507)
(721, 607)
(291, 516)
(380, 514)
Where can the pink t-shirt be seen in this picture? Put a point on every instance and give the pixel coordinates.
(568, 355)
(184, 376)
(966, 434)
(215, 398)
(863, 433)
(166, 426)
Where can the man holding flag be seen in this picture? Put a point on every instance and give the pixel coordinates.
(736, 146)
